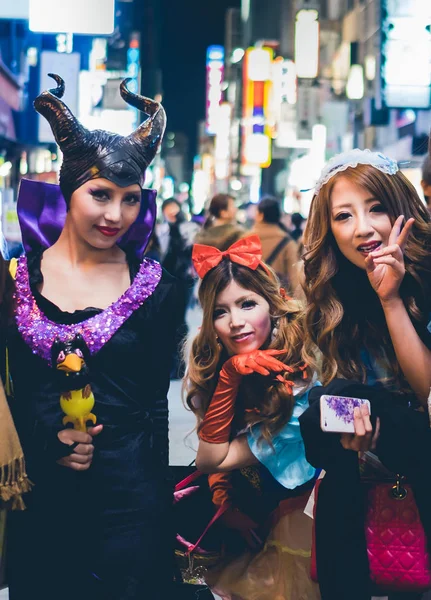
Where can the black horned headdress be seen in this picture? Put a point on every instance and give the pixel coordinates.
(94, 154)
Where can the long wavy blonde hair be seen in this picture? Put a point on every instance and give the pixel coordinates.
(263, 399)
(343, 313)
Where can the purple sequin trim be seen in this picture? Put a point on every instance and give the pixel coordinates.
(343, 407)
(39, 332)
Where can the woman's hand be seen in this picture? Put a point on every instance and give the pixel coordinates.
(258, 361)
(385, 268)
(82, 455)
(363, 439)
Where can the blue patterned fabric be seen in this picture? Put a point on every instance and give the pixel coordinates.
(377, 372)
(286, 459)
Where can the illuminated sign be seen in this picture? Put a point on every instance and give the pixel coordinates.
(258, 121)
(133, 69)
(222, 142)
(77, 16)
(406, 53)
(355, 87)
(18, 9)
(215, 71)
(307, 43)
(69, 66)
(259, 64)
(284, 102)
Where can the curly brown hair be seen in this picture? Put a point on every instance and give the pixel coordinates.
(343, 314)
(264, 399)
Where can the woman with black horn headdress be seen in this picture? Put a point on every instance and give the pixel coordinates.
(93, 325)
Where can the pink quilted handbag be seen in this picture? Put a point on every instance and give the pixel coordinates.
(396, 542)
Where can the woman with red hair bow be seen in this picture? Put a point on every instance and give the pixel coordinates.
(247, 383)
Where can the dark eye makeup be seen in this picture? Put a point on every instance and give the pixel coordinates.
(342, 217)
(248, 304)
(378, 208)
(132, 199)
(99, 194)
(103, 194)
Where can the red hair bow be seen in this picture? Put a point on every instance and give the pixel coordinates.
(246, 252)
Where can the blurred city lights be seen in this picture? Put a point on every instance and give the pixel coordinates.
(237, 55)
(370, 67)
(215, 70)
(200, 189)
(258, 149)
(32, 55)
(406, 54)
(5, 168)
(184, 187)
(235, 185)
(67, 16)
(259, 64)
(307, 43)
(168, 188)
(355, 84)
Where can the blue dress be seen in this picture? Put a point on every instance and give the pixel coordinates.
(285, 460)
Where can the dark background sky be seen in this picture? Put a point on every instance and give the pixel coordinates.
(188, 27)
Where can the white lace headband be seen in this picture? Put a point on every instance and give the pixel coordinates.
(353, 158)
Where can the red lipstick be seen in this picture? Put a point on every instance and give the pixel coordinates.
(108, 231)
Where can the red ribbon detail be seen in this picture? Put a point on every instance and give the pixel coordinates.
(246, 252)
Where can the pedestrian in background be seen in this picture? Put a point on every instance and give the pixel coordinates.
(279, 250)
(297, 230)
(176, 236)
(221, 229)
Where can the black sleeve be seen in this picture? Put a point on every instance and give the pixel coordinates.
(404, 432)
(164, 326)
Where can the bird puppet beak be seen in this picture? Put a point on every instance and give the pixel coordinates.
(71, 364)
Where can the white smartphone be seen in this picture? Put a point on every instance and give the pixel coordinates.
(336, 413)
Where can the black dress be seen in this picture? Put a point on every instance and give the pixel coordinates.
(105, 532)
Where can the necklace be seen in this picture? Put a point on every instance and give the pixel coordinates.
(39, 332)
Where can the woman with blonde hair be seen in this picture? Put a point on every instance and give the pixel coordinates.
(247, 383)
(367, 282)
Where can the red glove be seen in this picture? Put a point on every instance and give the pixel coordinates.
(220, 486)
(215, 427)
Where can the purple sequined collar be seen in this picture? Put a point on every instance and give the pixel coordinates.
(39, 332)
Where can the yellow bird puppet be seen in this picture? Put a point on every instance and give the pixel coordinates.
(77, 401)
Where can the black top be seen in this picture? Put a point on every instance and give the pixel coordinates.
(129, 377)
